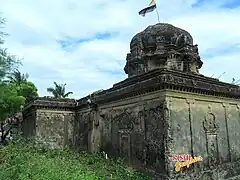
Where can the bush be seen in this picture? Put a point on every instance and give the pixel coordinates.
(25, 161)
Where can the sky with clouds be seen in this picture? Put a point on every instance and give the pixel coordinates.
(84, 43)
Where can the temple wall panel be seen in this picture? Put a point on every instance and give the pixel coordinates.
(180, 130)
(29, 124)
(55, 128)
(133, 129)
(233, 120)
(208, 125)
(82, 128)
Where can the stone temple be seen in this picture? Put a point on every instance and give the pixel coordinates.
(164, 107)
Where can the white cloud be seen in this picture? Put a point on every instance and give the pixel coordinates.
(35, 27)
(217, 65)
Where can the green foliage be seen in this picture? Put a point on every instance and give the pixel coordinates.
(25, 162)
(7, 62)
(59, 91)
(10, 102)
(26, 89)
(2, 22)
(16, 77)
(15, 90)
(14, 95)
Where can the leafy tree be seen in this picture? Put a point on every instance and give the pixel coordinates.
(59, 91)
(10, 102)
(7, 61)
(17, 77)
(27, 90)
(24, 87)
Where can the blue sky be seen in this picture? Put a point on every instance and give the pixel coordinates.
(84, 43)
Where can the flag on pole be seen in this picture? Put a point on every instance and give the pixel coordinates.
(151, 7)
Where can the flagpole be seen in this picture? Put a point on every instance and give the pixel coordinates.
(157, 15)
(157, 12)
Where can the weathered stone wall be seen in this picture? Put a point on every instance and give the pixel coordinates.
(28, 126)
(55, 127)
(134, 130)
(50, 121)
(82, 128)
(147, 130)
(204, 125)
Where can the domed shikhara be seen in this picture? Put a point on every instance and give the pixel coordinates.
(162, 46)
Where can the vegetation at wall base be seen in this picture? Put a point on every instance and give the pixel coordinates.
(23, 161)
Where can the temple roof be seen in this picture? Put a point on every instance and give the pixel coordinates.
(165, 30)
(162, 46)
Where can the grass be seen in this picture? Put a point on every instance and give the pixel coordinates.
(23, 161)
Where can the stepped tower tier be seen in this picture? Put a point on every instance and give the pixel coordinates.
(162, 46)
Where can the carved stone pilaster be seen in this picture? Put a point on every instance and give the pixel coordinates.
(238, 107)
(125, 144)
(226, 109)
(168, 144)
(191, 103)
(211, 130)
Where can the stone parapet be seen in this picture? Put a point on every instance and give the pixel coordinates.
(167, 79)
(50, 102)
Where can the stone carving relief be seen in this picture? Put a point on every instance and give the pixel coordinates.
(195, 49)
(68, 129)
(124, 121)
(154, 136)
(136, 134)
(128, 58)
(135, 64)
(174, 39)
(124, 127)
(106, 125)
(211, 131)
(93, 119)
(132, 69)
(151, 43)
(181, 40)
(209, 123)
(138, 138)
(125, 144)
(160, 40)
(84, 126)
(139, 122)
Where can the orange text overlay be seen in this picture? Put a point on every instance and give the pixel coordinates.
(187, 163)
